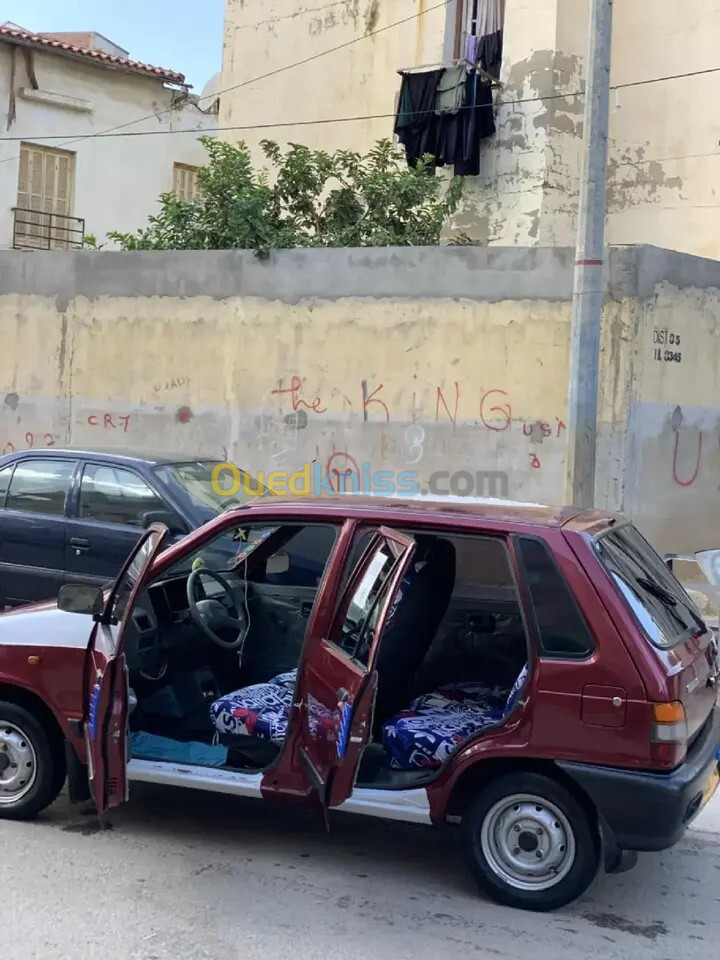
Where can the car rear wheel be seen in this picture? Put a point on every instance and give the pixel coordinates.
(529, 843)
(32, 765)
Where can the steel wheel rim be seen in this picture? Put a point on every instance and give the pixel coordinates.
(528, 842)
(18, 764)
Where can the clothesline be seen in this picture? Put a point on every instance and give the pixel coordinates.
(453, 63)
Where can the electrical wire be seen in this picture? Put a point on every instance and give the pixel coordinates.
(297, 123)
(119, 131)
(263, 76)
(670, 76)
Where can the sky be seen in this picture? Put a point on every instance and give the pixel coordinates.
(181, 35)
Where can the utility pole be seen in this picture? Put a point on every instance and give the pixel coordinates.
(589, 283)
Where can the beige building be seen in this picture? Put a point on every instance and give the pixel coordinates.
(664, 154)
(61, 178)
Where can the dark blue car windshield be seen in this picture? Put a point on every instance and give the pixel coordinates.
(192, 486)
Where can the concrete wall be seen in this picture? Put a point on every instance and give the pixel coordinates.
(664, 157)
(418, 359)
(118, 179)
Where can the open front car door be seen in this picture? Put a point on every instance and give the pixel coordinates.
(338, 681)
(106, 687)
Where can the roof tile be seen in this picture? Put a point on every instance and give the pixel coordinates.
(100, 56)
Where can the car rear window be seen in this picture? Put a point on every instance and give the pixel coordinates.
(663, 609)
(561, 627)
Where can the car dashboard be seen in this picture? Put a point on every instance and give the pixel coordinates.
(161, 619)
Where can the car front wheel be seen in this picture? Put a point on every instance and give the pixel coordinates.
(32, 767)
(529, 843)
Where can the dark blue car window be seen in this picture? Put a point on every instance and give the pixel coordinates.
(4, 482)
(40, 486)
(109, 494)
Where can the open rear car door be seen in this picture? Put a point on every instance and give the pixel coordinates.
(106, 688)
(338, 682)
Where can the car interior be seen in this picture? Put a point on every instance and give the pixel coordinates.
(213, 646)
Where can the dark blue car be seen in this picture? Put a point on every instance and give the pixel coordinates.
(69, 515)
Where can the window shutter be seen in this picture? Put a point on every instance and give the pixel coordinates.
(185, 182)
(24, 178)
(45, 186)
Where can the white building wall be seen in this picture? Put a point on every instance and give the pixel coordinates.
(117, 179)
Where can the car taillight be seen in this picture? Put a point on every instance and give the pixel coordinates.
(668, 733)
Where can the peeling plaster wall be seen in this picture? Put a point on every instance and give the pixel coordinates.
(450, 359)
(664, 161)
(503, 206)
(359, 79)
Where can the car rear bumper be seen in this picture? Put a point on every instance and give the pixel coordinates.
(651, 811)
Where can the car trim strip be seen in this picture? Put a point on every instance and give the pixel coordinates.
(411, 806)
(203, 778)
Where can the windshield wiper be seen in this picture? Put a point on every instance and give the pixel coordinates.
(657, 591)
(667, 598)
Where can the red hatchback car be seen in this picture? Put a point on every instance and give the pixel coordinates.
(537, 676)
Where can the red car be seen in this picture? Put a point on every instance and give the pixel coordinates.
(536, 676)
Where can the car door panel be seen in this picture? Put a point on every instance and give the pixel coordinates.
(33, 529)
(99, 532)
(95, 552)
(105, 678)
(335, 693)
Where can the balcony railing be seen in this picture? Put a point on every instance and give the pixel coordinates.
(34, 230)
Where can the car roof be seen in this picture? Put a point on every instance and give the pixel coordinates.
(452, 508)
(118, 454)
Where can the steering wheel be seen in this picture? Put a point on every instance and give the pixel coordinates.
(210, 615)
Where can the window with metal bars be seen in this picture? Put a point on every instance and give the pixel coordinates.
(46, 184)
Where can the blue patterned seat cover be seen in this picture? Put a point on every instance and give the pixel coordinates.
(263, 710)
(423, 736)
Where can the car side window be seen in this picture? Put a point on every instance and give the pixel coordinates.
(40, 486)
(307, 552)
(354, 631)
(5, 474)
(561, 627)
(109, 494)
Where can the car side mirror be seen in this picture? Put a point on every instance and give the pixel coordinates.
(81, 598)
(278, 563)
(174, 523)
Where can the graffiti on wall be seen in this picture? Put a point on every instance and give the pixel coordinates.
(485, 409)
(293, 424)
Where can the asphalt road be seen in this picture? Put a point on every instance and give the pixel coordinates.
(185, 876)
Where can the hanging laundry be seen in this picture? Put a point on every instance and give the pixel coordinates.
(450, 96)
(459, 135)
(479, 124)
(471, 48)
(489, 31)
(414, 124)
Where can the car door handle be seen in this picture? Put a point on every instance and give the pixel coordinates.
(77, 543)
(306, 609)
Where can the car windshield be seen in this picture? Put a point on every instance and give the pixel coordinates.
(664, 610)
(224, 553)
(192, 484)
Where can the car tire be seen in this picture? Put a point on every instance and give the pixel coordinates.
(529, 843)
(32, 763)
